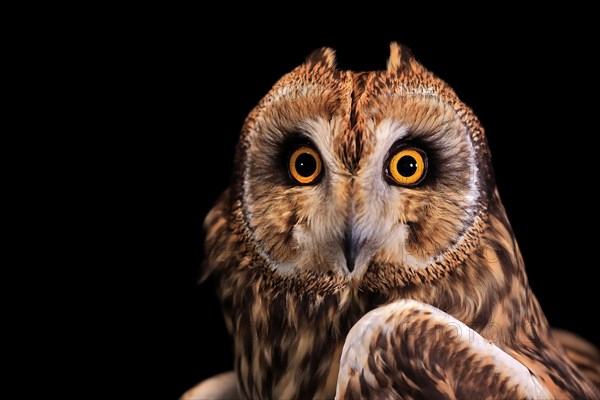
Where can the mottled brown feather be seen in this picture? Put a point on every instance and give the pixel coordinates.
(274, 247)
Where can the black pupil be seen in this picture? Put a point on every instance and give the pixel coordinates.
(306, 165)
(407, 166)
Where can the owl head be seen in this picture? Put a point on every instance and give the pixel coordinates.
(372, 179)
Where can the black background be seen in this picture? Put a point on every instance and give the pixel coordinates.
(529, 88)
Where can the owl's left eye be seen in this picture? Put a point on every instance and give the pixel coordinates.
(305, 165)
(406, 166)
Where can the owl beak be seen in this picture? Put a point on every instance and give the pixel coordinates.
(350, 247)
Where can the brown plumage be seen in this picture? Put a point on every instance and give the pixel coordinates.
(300, 259)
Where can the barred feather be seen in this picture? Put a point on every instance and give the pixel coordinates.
(289, 297)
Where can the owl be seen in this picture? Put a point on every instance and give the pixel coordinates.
(362, 250)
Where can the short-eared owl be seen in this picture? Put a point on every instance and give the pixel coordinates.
(362, 250)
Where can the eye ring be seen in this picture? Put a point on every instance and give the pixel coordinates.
(305, 165)
(406, 167)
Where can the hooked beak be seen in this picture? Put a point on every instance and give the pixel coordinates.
(350, 249)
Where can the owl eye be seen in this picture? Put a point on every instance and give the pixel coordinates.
(305, 165)
(406, 167)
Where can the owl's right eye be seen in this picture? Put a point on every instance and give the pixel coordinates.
(305, 165)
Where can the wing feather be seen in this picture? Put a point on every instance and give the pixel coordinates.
(409, 349)
(219, 387)
(583, 354)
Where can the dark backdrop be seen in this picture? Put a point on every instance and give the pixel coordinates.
(528, 88)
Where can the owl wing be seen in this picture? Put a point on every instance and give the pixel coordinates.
(215, 226)
(408, 349)
(222, 386)
(225, 385)
(582, 353)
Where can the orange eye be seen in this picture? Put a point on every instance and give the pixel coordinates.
(305, 165)
(407, 167)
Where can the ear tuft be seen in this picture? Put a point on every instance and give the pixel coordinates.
(324, 56)
(400, 57)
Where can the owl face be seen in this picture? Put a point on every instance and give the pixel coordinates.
(374, 179)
